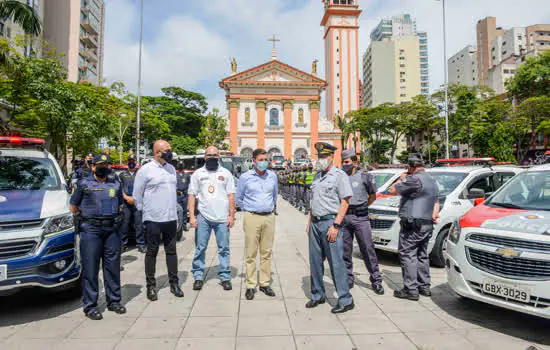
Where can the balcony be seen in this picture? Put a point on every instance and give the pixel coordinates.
(90, 24)
(89, 40)
(90, 55)
(90, 6)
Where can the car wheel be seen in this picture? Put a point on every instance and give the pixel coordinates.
(438, 252)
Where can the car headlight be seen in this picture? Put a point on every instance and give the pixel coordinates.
(58, 224)
(454, 232)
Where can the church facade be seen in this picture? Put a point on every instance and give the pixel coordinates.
(277, 107)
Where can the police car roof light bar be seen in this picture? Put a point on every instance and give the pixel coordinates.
(16, 140)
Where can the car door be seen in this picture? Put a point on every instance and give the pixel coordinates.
(501, 177)
(483, 182)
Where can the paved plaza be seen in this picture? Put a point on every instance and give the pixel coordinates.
(218, 320)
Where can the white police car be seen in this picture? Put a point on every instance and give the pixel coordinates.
(38, 244)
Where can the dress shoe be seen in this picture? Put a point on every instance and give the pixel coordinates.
(142, 250)
(185, 228)
(250, 293)
(176, 290)
(117, 308)
(425, 292)
(378, 289)
(152, 293)
(198, 285)
(404, 294)
(227, 285)
(268, 291)
(314, 303)
(341, 309)
(94, 315)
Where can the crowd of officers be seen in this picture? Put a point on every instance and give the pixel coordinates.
(295, 187)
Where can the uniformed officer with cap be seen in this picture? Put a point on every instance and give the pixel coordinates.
(331, 192)
(418, 211)
(99, 199)
(129, 210)
(182, 188)
(87, 171)
(357, 223)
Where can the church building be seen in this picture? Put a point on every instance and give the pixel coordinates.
(277, 107)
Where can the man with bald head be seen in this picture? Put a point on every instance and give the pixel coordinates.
(214, 188)
(155, 195)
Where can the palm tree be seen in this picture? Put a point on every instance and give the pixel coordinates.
(22, 14)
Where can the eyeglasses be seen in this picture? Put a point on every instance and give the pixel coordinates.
(212, 155)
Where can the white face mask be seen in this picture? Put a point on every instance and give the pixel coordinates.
(322, 164)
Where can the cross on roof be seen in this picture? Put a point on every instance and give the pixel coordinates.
(274, 50)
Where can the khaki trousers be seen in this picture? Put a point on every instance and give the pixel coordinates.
(259, 233)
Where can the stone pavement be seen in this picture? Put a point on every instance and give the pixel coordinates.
(219, 320)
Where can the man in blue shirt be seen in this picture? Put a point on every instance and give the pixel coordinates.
(257, 196)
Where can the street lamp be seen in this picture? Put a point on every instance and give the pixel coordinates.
(139, 85)
(446, 82)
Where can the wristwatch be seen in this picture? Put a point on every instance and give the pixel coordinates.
(338, 226)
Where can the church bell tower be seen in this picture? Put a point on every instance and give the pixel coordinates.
(341, 34)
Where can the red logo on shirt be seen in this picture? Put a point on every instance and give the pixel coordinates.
(221, 178)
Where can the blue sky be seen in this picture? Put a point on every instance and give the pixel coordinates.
(190, 43)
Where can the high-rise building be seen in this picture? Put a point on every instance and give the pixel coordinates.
(396, 65)
(76, 29)
(538, 37)
(487, 32)
(463, 67)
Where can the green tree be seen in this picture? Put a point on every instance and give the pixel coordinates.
(22, 14)
(532, 78)
(532, 116)
(214, 131)
(374, 127)
(490, 122)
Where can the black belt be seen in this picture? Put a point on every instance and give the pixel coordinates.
(261, 213)
(101, 222)
(358, 211)
(417, 221)
(324, 217)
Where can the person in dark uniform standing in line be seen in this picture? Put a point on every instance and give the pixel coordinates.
(310, 174)
(331, 194)
(99, 201)
(87, 170)
(418, 211)
(182, 188)
(130, 213)
(357, 223)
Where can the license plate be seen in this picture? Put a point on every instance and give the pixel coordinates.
(376, 238)
(3, 272)
(506, 291)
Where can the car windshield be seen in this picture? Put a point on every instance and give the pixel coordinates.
(528, 191)
(18, 173)
(381, 178)
(227, 163)
(279, 158)
(447, 182)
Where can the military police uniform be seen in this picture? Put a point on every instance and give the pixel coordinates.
(87, 170)
(182, 188)
(99, 202)
(419, 194)
(129, 211)
(310, 174)
(328, 190)
(357, 224)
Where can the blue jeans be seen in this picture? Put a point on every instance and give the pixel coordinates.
(202, 236)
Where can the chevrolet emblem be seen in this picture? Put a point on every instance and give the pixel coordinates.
(372, 217)
(508, 252)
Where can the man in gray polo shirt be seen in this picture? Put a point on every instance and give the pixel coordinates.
(331, 192)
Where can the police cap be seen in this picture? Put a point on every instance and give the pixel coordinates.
(131, 157)
(415, 160)
(102, 158)
(90, 155)
(348, 153)
(324, 148)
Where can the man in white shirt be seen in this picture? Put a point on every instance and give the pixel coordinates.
(214, 188)
(155, 196)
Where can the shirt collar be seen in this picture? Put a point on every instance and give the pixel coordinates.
(158, 164)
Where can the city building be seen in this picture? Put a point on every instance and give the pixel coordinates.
(75, 28)
(537, 37)
(11, 30)
(487, 32)
(396, 64)
(463, 67)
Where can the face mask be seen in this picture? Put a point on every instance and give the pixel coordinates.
(89, 162)
(102, 172)
(322, 164)
(261, 166)
(131, 165)
(348, 168)
(167, 156)
(212, 164)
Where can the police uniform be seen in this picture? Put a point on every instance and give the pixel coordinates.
(129, 211)
(99, 203)
(419, 194)
(182, 188)
(328, 190)
(87, 170)
(357, 224)
(310, 175)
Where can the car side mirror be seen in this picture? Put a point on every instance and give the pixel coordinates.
(476, 193)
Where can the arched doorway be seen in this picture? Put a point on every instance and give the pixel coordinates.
(246, 152)
(272, 151)
(300, 153)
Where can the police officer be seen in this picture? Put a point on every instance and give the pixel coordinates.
(129, 210)
(357, 223)
(182, 186)
(99, 199)
(331, 194)
(418, 211)
(87, 170)
(310, 174)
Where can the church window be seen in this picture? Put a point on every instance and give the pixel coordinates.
(274, 117)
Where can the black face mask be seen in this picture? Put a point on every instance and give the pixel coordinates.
(212, 164)
(102, 173)
(348, 168)
(89, 162)
(167, 156)
(131, 165)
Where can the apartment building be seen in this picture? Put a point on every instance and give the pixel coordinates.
(487, 32)
(463, 67)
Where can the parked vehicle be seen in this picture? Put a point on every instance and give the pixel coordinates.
(458, 187)
(302, 162)
(278, 162)
(499, 252)
(384, 179)
(38, 244)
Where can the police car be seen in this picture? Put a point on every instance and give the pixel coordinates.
(38, 245)
(499, 252)
(384, 178)
(458, 187)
